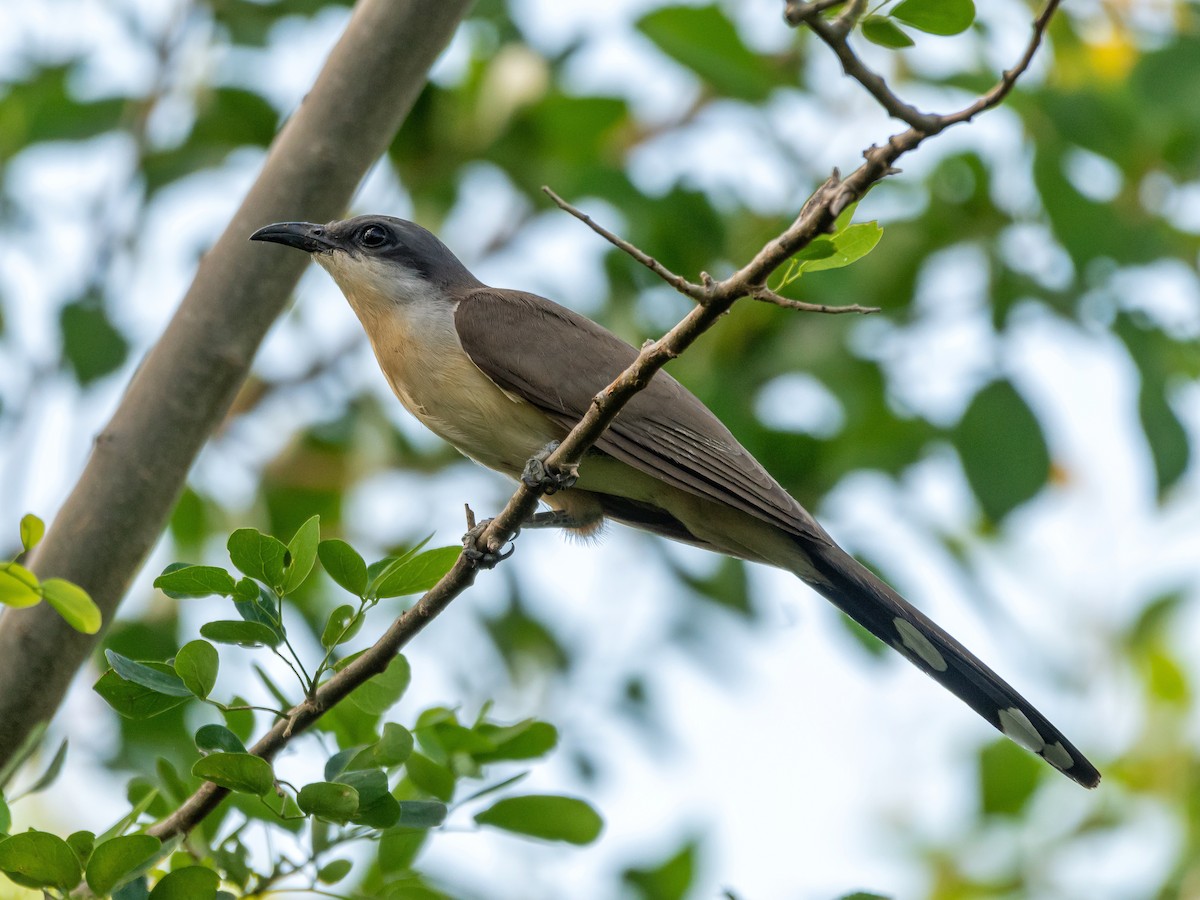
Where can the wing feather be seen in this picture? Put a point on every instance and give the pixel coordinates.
(558, 361)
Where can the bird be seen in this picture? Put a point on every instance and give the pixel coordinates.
(503, 374)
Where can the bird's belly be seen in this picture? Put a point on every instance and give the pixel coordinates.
(457, 402)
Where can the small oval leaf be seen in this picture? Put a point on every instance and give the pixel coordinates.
(196, 665)
(545, 816)
(241, 772)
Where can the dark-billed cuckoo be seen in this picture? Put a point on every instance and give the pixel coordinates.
(500, 374)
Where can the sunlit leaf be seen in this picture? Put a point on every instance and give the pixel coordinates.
(72, 603)
(545, 816)
(36, 859)
(944, 17)
(883, 31)
(119, 859)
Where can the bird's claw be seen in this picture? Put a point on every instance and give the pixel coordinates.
(549, 479)
(484, 558)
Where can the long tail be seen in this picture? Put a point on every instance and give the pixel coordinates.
(896, 622)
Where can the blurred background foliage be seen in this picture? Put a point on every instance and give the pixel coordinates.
(1017, 252)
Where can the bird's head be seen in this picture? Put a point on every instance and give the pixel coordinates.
(377, 261)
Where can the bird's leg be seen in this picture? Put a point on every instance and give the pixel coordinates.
(551, 480)
(483, 558)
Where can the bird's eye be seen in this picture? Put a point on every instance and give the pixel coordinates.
(372, 236)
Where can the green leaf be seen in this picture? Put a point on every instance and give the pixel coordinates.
(213, 737)
(18, 586)
(196, 665)
(183, 582)
(344, 565)
(242, 772)
(259, 556)
(1003, 452)
(341, 626)
(378, 694)
(545, 816)
(51, 774)
(188, 883)
(245, 634)
(134, 701)
(334, 871)
(32, 530)
(704, 40)
(415, 575)
(5, 816)
(526, 740)
(1165, 435)
(303, 550)
(73, 604)
(36, 859)
(945, 17)
(1008, 777)
(92, 345)
(398, 848)
(883, 31)
(435, 780)
(150, 678)
(83, 843)
(329, 800)
(371, 784)
(119, 859)
(255, 603)
(670, 880)
(837, 251)
(421, 813)
(392, 749)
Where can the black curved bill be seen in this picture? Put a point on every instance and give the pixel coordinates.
(301, 235)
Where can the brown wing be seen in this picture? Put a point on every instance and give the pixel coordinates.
(559, 360)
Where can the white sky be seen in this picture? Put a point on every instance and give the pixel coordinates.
(804, 771)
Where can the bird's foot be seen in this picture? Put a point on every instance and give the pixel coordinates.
(550, 479)
(483, 557)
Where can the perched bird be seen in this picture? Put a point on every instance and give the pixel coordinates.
(500, 374)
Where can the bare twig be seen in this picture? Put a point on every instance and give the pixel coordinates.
(678, 282)
(769, 296)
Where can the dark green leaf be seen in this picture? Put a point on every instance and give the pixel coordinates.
(32, 529)
(435, 780)
(329, 800)
(211, 738)
(134, 701)
(545, 816)
(670, 880)
(303, 550)
(390, 750)
(194, 581)
(5, 816)
(246, 634)
(196, 665)
(36, 859)
(528, 740)
(51, 773)
(705, 41)
(255, 603)
(72, 603)
(117, 860)
(259, 556)
(188, 883)
(91, 343)
(1002, 449)
(1008, 777)
(241, 772)
(936, 16)
(341, 626)
(883, 31)
(334, 871)
(421, 813)
(145, 676)
(416, 574)
(82, 842)
(398, 848)
(1165, 435)
(344, 565)
(378, 694)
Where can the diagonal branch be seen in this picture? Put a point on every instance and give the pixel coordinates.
(714, 299)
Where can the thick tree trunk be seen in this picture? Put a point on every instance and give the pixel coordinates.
(140, 461)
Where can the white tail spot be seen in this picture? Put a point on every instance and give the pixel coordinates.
(919, 644)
